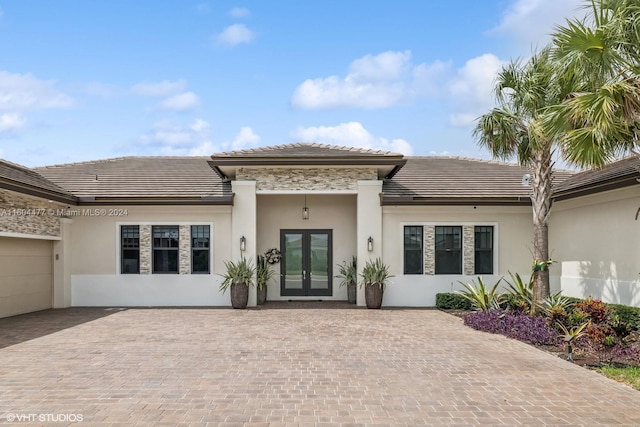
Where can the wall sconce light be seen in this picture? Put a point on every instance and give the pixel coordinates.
(370, 244)
(243, 244)
(305, 210)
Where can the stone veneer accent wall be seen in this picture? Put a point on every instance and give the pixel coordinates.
(429, 249)
(145, 249)
(468, 249)
(306, 179)
(184, 255)
(21, 213)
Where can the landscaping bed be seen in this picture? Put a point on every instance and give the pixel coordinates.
(603, 337)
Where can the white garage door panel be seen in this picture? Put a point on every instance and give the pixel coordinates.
(25, 275)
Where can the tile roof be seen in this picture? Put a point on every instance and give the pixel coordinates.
(22, 176)
(140, 177)
(620, 173)
(305, 149)
(433, 179)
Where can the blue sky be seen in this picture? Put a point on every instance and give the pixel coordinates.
(90, 80)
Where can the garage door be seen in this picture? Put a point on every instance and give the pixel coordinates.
(25, 275)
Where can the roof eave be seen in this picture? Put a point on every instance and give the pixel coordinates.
(163, 201)
(37, 192)
(455, 201)
(614, 184)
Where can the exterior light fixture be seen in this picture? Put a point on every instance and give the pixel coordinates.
(370, 244)
(243, 244)
(305, 209)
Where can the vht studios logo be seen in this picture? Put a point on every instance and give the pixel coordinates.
(43, 418)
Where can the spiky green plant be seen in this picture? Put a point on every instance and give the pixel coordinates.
(521, 291)
(482, 298)
(375, 272)
(264, 273)
(242, 271)
(569, 335)
(348, 272)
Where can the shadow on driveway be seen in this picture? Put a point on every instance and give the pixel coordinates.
(25, 327)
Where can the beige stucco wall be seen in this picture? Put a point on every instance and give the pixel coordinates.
(24, 214)
(311, 179)
(94, 255)
(333, 212)
(596, 242)
(95, 238)
(513, 236)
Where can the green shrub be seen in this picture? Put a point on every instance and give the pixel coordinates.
(452, 301)
(626, 315)
(481, 297)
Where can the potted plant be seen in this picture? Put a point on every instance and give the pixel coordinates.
(375, 276)
(264, 273)
(238, 277)
(349, 275)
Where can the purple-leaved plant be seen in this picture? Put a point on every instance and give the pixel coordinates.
(513, 324)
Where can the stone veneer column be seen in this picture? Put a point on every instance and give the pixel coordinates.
(185, 248)
(145, 249)
(468, 249)
(429, 249)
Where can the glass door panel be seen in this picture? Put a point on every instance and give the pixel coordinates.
(306, 263)
(293, 252)
(319, 278)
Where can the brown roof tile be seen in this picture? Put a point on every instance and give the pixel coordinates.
(441, 179)
(21, 176)
(140, 177)
(621, 173)
(304, 149)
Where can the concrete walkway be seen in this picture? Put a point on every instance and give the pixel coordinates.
(284, 366)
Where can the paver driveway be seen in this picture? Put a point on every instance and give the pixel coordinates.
(290, 366)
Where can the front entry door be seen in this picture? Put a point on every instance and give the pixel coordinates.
(306, 265)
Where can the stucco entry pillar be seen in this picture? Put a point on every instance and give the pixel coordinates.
(62, 266)
(243, 224)
(369, 213)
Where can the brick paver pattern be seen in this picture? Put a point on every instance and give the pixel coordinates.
(283, 366)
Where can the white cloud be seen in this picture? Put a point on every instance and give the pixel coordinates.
(180, 102)
(191, 139)
(244, 139)
(163, 88)
(373, 81)
(11, 123)
(234, 35)
(530, 22)
(351, 134)
(169, 138)
(471, 90)
(20, 92)
(239, 12)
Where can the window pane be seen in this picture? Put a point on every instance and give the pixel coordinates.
(200, 261)
(483, 262)
(200, 248)
(448, 250)
(165, 261)
(413, 257)
(130, 249)
(166, 240)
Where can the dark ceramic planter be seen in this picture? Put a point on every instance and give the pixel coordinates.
(262, 294)
(239, 295)
(373, 295)
(352, 291)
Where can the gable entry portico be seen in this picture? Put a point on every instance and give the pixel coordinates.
(341, 187)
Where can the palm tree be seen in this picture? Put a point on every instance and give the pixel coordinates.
(599, 120)
(515, 128)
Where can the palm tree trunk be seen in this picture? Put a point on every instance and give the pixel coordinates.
(541, 204)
